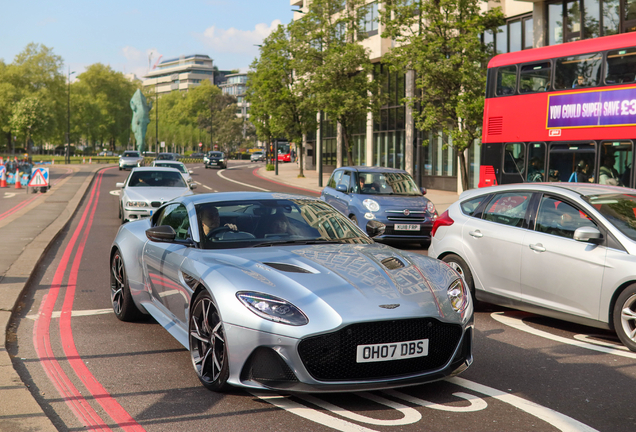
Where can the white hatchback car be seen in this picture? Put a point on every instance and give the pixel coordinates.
(179, 166)
(565, 250)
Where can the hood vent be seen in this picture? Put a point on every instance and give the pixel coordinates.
(290, 268)
(392, 263)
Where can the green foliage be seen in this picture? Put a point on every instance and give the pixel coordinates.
(270, 167)
(31, 117)
(440, 41)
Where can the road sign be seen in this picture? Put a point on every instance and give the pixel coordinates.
(163, 144)
(200, 144)
(39, 178)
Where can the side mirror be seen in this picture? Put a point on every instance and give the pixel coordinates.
(587, 234)
(193, 186)
(161, 234)
(119, 185)
(375, 228)
(341, 188)
(423, 190)
(191, 171)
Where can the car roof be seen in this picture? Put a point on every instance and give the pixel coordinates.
(169, 162)
(374, 169)
(571, 189)
(240, 196)
(152, 169)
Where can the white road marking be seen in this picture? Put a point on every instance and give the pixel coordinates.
(588, 338)
(409, 415)
(300, 410)
(207, 187)
(518, 324)
(238, 182)
(556, 419)
(9, 194)
(476, 403)
(116, 192)
(77, 313)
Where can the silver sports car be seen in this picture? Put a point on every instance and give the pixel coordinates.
(147, 188)
(276, 291)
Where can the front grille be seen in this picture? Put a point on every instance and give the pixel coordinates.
(406, 219)
(423, 232)
(332, 357)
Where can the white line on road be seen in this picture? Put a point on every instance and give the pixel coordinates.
(238, 182)
(518, 323)
(207, 187)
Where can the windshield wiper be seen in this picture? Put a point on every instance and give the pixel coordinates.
(301, 242)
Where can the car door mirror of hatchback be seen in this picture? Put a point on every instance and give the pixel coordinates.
(375, 228)
(587, 234)
(119, 185)
(342, 188)
(423, 190)
(161, 234)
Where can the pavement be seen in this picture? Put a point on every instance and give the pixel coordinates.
(288, 175)
(26, 236)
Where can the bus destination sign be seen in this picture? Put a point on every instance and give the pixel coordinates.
(592, 108)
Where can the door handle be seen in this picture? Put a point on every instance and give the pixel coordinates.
(476, 234)
(537, 247)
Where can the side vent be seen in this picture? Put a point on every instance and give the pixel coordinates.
(495, 125)
(287, 268)
(392, 263)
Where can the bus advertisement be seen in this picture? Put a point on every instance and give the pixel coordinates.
(562, 113)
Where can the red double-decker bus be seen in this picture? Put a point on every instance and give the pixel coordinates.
(562, 113)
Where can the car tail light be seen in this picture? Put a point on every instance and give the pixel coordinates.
(443, 220)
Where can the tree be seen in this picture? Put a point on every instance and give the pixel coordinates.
(440, 40)
(30, 118)
(278, 95)
(336, 68)
(8, 95)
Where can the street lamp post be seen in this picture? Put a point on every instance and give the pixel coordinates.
(67, 156)
(156, 118)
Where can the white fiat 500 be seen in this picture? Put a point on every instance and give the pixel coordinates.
(563, 250)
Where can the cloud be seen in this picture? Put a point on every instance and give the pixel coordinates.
(237, 41)
(138, 61)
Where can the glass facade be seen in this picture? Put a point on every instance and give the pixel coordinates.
(389, 126)
(516, 35)
(572, 20)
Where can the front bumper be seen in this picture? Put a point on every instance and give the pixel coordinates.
(262, 360)
(136, 214)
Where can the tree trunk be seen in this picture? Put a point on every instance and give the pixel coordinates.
(346, 138)
(464, 169)
(299, 150)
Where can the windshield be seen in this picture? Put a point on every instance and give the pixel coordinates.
(156, 179)
(216, 154)
(261, 223)
(179, 167)
(374, 183)
(131, 154)
(618, 209)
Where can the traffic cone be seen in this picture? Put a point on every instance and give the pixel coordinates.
(53, 161)
(90, 160)
(1, 161)
(83, 160)
(3, 179)
(18, 183)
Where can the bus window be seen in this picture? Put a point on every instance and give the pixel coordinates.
(578, 71)
(621, 66)
(535, 77)
(536, 166)
(506, 80)
(514, 159)
(616, 163)
(572, 162)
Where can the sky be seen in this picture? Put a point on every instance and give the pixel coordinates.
(124, 33)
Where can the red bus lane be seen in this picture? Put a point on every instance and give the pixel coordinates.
(41, 337)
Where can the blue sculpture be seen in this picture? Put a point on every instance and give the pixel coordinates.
(141, 107)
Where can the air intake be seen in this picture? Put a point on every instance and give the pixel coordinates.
(392, 263)
(495, 125)
(156, 204)
(289, 268)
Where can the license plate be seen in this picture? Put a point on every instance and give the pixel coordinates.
(391, 351)
(406, 227)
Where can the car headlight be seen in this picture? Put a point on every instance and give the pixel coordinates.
(458, 295)
(220, 160)
(272, 308)
(430, 207)
(137, 204)
(371, 205)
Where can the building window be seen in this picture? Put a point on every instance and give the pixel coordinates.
(515, 35)
(368, 16)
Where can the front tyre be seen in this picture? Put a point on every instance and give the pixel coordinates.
(121, 299)
(208, 350)
(624, 317)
